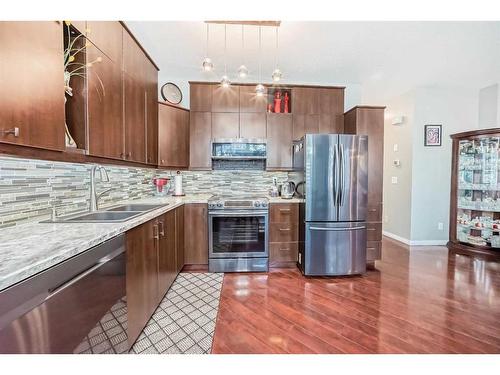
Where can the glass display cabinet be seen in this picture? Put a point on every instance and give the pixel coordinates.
(475, 194)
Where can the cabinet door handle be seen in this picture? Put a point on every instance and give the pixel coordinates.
(284, 229)
(156, 235)
(284, 249)
(371, 229)
(285, 210)
(162, 230)
(372, 210)
(14, 131)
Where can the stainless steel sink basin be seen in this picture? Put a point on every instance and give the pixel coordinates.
(113, 215)
(136, 207)
(101, 217)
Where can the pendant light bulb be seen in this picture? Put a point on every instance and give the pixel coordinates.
(260, 90)
(207, 63)
(225, 82)
(277, 75)
(242, 71)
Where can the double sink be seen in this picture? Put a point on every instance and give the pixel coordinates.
(116, 214)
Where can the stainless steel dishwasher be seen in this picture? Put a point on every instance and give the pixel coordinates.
(76, 306)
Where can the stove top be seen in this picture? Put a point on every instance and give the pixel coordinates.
(221, 202)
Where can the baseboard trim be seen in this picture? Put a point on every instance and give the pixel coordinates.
(406, 241)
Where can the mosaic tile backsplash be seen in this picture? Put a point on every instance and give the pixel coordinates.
(30, 188)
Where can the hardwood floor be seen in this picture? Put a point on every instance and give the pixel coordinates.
(415, 301)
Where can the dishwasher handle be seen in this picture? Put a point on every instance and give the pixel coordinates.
(99, 264)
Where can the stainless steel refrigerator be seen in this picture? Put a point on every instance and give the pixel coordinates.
(334, 168)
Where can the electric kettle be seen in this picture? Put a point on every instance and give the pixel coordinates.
(287, 190)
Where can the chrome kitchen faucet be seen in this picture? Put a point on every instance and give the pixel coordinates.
(94, 197)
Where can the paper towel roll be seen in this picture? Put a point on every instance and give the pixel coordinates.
(178, 184)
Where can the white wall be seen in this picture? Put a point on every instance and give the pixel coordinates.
(489, 100)
(397, 197)
(456, 110)
(414, 207)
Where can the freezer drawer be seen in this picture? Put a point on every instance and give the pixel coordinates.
(334, 249)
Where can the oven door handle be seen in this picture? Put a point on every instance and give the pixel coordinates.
(238, 213)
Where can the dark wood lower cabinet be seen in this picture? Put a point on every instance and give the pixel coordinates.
(179, 237)
(196, 233)
(167, 262)
(152, 266)
(142, 276)
(283, 234)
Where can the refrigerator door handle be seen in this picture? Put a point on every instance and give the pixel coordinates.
(342, 175)
(335, 174)
(337, 229)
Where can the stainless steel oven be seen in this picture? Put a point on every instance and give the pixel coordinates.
(238, 237)
(77, 306)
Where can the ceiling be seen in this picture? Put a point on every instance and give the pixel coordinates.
(384, 58)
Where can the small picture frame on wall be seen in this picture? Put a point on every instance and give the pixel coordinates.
(432, 135)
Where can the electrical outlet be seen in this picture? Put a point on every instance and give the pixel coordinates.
(394, 180)
(440, 226)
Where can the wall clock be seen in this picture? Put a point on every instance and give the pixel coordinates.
(171, 93)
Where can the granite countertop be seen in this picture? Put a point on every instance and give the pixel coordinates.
(283, 200)
(31, 248)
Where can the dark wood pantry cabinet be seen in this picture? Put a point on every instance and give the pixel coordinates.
(32, 84)
(369, 120)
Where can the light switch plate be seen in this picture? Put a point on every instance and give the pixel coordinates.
(394, 180)
(396, 147)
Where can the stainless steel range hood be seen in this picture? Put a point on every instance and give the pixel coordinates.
(239, 149)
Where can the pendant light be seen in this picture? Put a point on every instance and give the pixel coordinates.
(260, 89)
(207, 64)
(242, 70)
(225, 82)
(277, 72)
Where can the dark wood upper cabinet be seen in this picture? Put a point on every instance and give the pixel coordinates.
(225, 125)
(279, 141)
(305, 100)
(151, 113)
(200, 97)
(253, 125)
(173, 136)
(226, 99)
(135, 118)
(107, 35)
(105, 106)
(196, 235)
(32, 84)
(249, 102)
(331, 101)
(200, 134)
(142, 276)
(133, 57)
